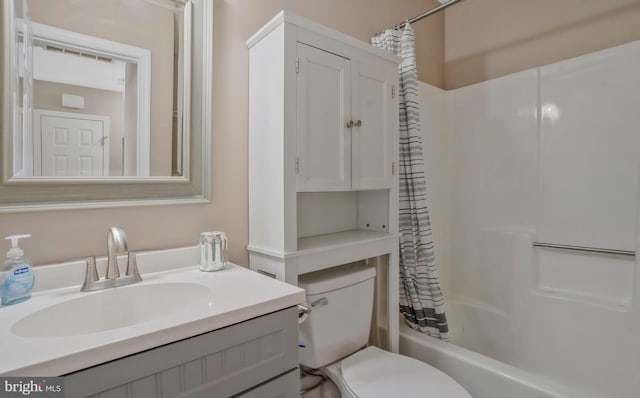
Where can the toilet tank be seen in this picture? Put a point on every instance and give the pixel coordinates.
(341, 301)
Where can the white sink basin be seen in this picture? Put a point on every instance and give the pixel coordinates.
(112, 309)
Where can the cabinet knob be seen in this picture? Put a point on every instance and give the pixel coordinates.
(358, 123)
(350, 124)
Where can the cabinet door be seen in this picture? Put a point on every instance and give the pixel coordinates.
(375, 113)
(323, 102)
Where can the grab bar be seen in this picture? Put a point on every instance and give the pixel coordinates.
(585, 249)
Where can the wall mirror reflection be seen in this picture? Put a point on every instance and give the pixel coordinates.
(105, 103)
(100, 89)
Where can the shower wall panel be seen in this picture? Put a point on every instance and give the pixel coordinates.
(588, 186)
(550, 154)
(589, 149)
(494, 147)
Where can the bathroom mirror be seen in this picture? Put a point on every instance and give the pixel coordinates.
(105, 102)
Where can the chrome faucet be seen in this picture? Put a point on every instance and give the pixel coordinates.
(116, 245)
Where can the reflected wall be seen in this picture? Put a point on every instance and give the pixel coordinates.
(151, 26)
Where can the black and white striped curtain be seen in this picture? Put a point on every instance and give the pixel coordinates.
(421, 300)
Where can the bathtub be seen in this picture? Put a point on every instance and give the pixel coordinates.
(481, 376)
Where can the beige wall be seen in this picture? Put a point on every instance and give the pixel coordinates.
(364, 18)
(137, 23)
(491, 38)
(48, 95)
(59, 235)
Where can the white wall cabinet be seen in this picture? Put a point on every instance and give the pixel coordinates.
(345, 119)
(323, 107)
(323, 148)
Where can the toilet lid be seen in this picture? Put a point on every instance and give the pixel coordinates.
(373, 373)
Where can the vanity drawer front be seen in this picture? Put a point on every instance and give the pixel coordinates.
(221, 363)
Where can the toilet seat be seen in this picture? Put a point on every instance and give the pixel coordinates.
(374, 373)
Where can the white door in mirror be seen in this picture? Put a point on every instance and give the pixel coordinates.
(71, 146)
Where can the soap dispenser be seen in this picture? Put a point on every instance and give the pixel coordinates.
(16, 275)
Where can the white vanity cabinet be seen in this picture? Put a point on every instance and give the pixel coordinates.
(346, 115)
(255, 358)
(323, 152)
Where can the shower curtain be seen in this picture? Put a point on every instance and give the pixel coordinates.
(421, 301)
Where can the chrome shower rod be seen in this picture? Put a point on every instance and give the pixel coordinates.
(427, 13)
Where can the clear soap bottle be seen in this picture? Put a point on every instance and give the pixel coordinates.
(16, 274)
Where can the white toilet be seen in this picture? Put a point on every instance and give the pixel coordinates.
(334, 336)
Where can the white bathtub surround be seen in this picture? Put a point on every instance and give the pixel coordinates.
(550, 155)
(481, 376)
(234, 295)
(421, 300)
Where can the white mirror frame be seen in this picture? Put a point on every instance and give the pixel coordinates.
(30, 194)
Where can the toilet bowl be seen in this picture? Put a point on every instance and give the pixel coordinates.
(375, 373)
(334, 340)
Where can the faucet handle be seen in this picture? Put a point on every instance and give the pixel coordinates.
(91, 274)
(132, 266)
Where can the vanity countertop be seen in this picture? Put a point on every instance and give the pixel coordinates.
(235, 294)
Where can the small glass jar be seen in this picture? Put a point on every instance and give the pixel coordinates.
(213, 251)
